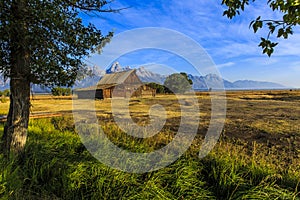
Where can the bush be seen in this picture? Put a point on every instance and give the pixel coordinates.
(160, 89)
(5, 93)
(178, 83)
(58, 91)
(3, 100)
(64, 123)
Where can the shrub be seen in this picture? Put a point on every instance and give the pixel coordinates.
(58, 91)
(64, 123)
(160, 89)
(5, 93)
(178, 83)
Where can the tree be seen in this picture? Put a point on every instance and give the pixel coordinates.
(178, 83)
(283, 27)
(160, 89)
(59, 91)
(5, 93)
(42, 42)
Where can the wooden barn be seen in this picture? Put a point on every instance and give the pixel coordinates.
(120, 84)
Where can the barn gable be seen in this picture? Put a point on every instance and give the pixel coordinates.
(119, 78)
(119, 84)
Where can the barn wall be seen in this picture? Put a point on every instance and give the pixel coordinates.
(132, 87)
(99, 94)
(133, 79)
(89, 94)
(107, 93)
(118, 92)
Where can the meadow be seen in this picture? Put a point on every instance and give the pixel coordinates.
(257, 155)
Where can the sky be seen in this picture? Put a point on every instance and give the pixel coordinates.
(230, 44)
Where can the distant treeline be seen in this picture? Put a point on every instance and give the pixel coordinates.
(58, 91)
(174, 83)
(5, 93)
(160, 89)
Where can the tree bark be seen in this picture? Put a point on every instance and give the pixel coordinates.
(15, 130)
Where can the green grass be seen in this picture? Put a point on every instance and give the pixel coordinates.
(56, 165)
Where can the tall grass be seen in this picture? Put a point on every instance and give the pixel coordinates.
(56, 165)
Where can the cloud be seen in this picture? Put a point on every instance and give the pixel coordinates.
(229, 42)
(295, 66)
(262, 60)
(157, 45)
(228, 64)
(289, 47)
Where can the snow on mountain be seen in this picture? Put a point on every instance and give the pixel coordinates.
(148, 76)
(116, 67)
(199, 82)
(209, 81)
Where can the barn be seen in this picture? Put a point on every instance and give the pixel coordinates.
(120, 84)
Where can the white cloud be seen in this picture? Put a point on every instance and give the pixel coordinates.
(289, 47)
(262, 60)
(228, 64)
(229, 42)
(295, 66)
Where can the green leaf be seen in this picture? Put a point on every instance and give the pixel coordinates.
(274, 44)
(280, 32)
(269, 52)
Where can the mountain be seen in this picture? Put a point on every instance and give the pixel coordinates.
(209, 81)
(96, 74)
(148, 76)
(116, 67)
(199, 82)
(4, 84)
(34, 87)
(249, 84)
(214, 81)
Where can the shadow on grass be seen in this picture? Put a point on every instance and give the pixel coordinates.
(56, 165)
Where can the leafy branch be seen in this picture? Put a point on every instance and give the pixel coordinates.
(283, 27)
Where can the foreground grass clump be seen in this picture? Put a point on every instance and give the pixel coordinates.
(56, 165)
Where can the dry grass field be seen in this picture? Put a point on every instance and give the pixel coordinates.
(271, 118)
(266, 117)
(257, 155)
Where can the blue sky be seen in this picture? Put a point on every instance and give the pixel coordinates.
(232, 46)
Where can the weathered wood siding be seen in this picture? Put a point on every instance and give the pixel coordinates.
(132, 86)
(90, 94)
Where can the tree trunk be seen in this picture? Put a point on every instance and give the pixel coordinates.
(15, 130)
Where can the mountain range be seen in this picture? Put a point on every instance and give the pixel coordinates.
(202, 82)
(199, 82)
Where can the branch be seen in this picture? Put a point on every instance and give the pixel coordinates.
(93, 7)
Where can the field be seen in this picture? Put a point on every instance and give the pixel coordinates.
(257, 155)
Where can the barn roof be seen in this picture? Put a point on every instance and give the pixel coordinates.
(115, 78)
(109, 80)
(96, 87)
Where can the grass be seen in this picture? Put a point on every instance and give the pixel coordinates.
(256, 157)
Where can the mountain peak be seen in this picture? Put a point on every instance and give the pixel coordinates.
(116, 67)
(212, 76)
(147, 76)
